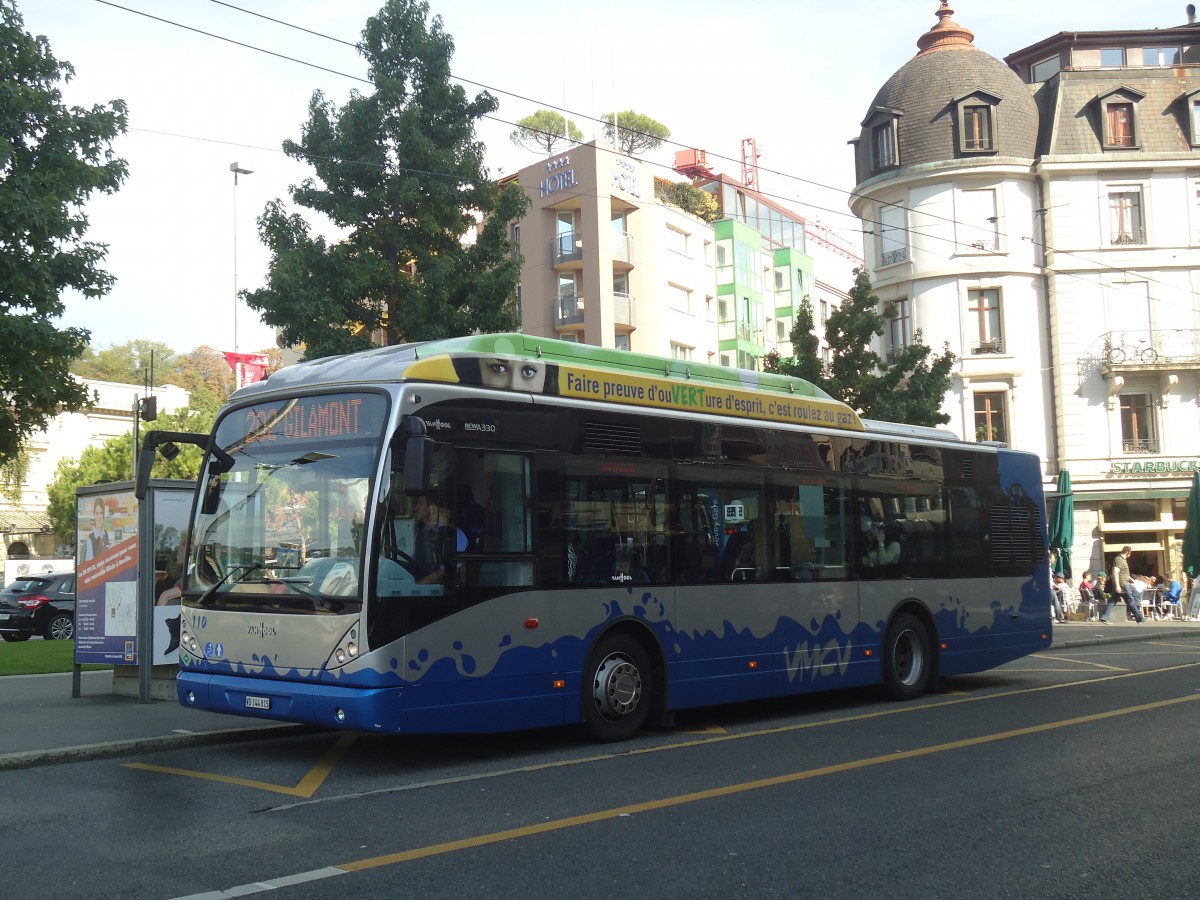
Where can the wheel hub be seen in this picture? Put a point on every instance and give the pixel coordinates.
(618, 687)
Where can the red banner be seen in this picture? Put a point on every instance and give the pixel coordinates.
(253, 366)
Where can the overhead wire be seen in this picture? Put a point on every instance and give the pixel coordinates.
(1139, 275)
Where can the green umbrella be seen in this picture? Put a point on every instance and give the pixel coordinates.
(1191, 534)
(1062, 525)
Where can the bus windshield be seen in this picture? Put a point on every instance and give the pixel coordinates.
(283, 528)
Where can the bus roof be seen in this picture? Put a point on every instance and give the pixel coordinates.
(538, 365)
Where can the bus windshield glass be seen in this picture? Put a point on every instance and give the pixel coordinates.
(282, 529)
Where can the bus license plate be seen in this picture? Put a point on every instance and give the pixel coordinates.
(258, 702)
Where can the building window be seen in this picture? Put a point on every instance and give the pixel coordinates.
(1138, 434)
(677, 240)
(984, 321)
(1119, 117)
(621, 342)
(1112, 57)
(1193, 113)
(977, 128)
(899, 326)
(1160, 57)
(893, 241)
(977, 221)
(679, 299)
(1125, 221)
(990, 416)
(883, 145)
(681, 351)
(1045, 69)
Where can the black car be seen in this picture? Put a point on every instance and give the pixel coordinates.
(39, 604)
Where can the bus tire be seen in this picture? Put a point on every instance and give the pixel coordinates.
(617, 690)
(907, 658)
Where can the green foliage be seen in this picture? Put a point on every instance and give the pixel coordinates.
(52, 157)
(127, 363)
(908, 389)
(545, 130)
(113, 461)
(633, 133)
(689, 198)
(12, 475)
(401, 172)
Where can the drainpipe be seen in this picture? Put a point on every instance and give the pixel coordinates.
(1055, 434)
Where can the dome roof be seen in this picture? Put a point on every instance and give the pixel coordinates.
(923, 98)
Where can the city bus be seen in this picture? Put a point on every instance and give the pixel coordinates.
(504, 532)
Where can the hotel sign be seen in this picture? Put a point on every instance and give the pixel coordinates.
(624, 177)
(561, 178)
(1156, 467)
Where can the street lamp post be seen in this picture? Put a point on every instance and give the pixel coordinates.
(236, 170)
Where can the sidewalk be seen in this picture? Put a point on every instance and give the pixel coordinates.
(42, 724)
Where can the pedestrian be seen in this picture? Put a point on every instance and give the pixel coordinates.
(1194, 600)
(1087, 605)
(1120, 587)
(1058, 598)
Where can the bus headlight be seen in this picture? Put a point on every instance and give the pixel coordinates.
(346, 649)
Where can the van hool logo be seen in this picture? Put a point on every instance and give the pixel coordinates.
(262, 630)
(438, 425)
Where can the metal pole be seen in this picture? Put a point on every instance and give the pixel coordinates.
(236, 170)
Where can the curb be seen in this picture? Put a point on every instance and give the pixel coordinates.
(29, 759)
(1121, 638)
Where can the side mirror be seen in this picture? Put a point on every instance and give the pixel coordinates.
(418, 457)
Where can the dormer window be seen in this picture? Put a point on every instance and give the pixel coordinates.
(975, 115)
(884, 127)
(1192, 101)
(1118, 114)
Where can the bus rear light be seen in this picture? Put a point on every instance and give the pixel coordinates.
(944, 645)
(868, 653)
(558, 683)
(753, 664)
(531, 623)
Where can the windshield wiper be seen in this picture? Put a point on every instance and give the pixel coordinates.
(317, 600)
(240, 569)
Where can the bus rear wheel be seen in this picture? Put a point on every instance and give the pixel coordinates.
(618, 689)
(907, 658)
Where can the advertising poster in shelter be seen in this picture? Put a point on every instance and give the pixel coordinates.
(106, 568)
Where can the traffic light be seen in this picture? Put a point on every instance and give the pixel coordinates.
(149, 409)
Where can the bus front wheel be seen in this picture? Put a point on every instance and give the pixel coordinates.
(618, 689)
(907, 658)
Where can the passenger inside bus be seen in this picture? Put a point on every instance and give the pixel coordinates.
(738, 558)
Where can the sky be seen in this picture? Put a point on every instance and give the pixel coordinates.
(796, 75)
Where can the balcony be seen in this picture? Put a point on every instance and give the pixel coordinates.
(1174, 349)
(623, 250)
(568, 310)
(566, 249)
(995, 345)
(624, 309)
(1141, 445)
(891, 257)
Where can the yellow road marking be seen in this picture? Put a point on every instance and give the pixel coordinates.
(305, 788)
(509, 834)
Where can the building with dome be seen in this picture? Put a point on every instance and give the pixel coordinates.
(1041, 216)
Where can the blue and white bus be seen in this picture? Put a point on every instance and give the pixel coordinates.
(504, 532)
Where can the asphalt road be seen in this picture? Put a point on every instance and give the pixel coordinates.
(1069, 774)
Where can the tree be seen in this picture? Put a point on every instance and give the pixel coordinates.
(113, 461)
(52, 157)
(400, 171)
(545, 130)
(633, 133)
(908, 388)
(127, 363)
(697, 201)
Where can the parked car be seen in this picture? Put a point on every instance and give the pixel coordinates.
(39, 604)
